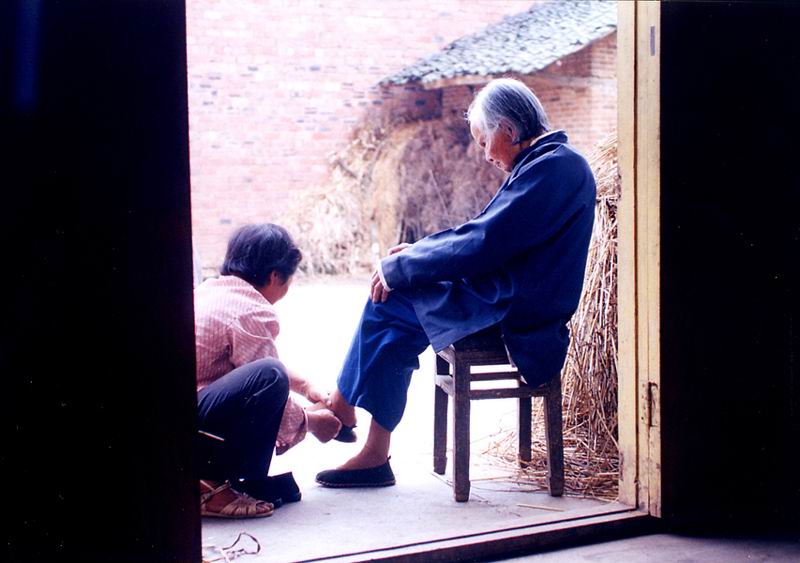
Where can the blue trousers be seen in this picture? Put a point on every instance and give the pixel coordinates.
(383, 354)
(244, 407)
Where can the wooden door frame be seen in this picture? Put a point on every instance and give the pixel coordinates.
(638, 126)
(638, 53)
(638, 72)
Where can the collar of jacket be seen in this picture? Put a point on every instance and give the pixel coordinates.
(544, 144)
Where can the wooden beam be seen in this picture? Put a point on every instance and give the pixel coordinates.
(467, 80)
(507, 393)
(496, 376)
(648, 249)
(551, 77)
(626, 251)
(544, 532)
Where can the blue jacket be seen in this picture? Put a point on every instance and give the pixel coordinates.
(519, 263)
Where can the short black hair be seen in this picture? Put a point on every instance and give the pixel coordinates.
(255, 251)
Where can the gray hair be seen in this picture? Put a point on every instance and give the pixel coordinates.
(507, 99)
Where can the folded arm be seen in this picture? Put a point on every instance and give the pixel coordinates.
(525, 214)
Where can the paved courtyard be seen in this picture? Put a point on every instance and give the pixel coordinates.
(317, 322)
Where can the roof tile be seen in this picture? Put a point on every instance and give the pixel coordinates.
(523, 43)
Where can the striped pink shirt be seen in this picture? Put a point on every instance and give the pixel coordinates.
(236, 325)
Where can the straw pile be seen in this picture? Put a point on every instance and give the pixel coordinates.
(332, 224)
(589, 377)
(445, 179)
(394, 182)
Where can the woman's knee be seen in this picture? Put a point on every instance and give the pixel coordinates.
(271, 374)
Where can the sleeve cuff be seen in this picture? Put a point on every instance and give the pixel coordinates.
(293, 427)
(383, 279)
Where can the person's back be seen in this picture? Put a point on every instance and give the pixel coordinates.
(234, 324)
(535, 328)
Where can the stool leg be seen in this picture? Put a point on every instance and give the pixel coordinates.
(440, 420)
(461, 414)
(555, 439)
(524, 431)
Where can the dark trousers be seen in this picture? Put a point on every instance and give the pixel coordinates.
(245, 408)
(383, 354)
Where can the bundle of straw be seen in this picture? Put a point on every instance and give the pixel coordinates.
(331, 223)
(589, 377)
(394, 182)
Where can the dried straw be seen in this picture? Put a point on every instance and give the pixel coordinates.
(395, 181)
(332, 223)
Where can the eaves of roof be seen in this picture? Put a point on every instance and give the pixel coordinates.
(523, 43)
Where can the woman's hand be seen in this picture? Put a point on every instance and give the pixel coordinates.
(323, 424)
(317, 395)
(378, 292)
(304, 387)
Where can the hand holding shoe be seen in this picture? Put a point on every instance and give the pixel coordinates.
(323, 424)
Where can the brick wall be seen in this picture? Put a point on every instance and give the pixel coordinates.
(277, 85)
(579, 92)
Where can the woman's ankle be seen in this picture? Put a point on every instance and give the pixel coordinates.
(365, 459)
(343, 410)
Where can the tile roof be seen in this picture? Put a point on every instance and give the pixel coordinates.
(522, 43)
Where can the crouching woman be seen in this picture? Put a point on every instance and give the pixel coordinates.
(243, 391)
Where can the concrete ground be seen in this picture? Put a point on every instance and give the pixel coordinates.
(317, 322)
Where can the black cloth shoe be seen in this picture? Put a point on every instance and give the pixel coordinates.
(346, 434)
(381, 476)
(277, 489)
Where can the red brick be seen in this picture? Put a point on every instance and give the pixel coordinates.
(276, 86)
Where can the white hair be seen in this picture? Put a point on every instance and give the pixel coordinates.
(509, 100)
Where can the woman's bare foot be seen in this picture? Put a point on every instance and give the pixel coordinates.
(375, 451)
(365, 459)
(343, 410)
(323, 424)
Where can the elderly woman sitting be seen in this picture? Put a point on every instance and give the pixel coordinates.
(518, 264)
(242, 388)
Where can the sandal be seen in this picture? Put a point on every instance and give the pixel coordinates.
(243, 506)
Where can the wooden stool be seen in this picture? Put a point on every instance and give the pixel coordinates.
(482, 349)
